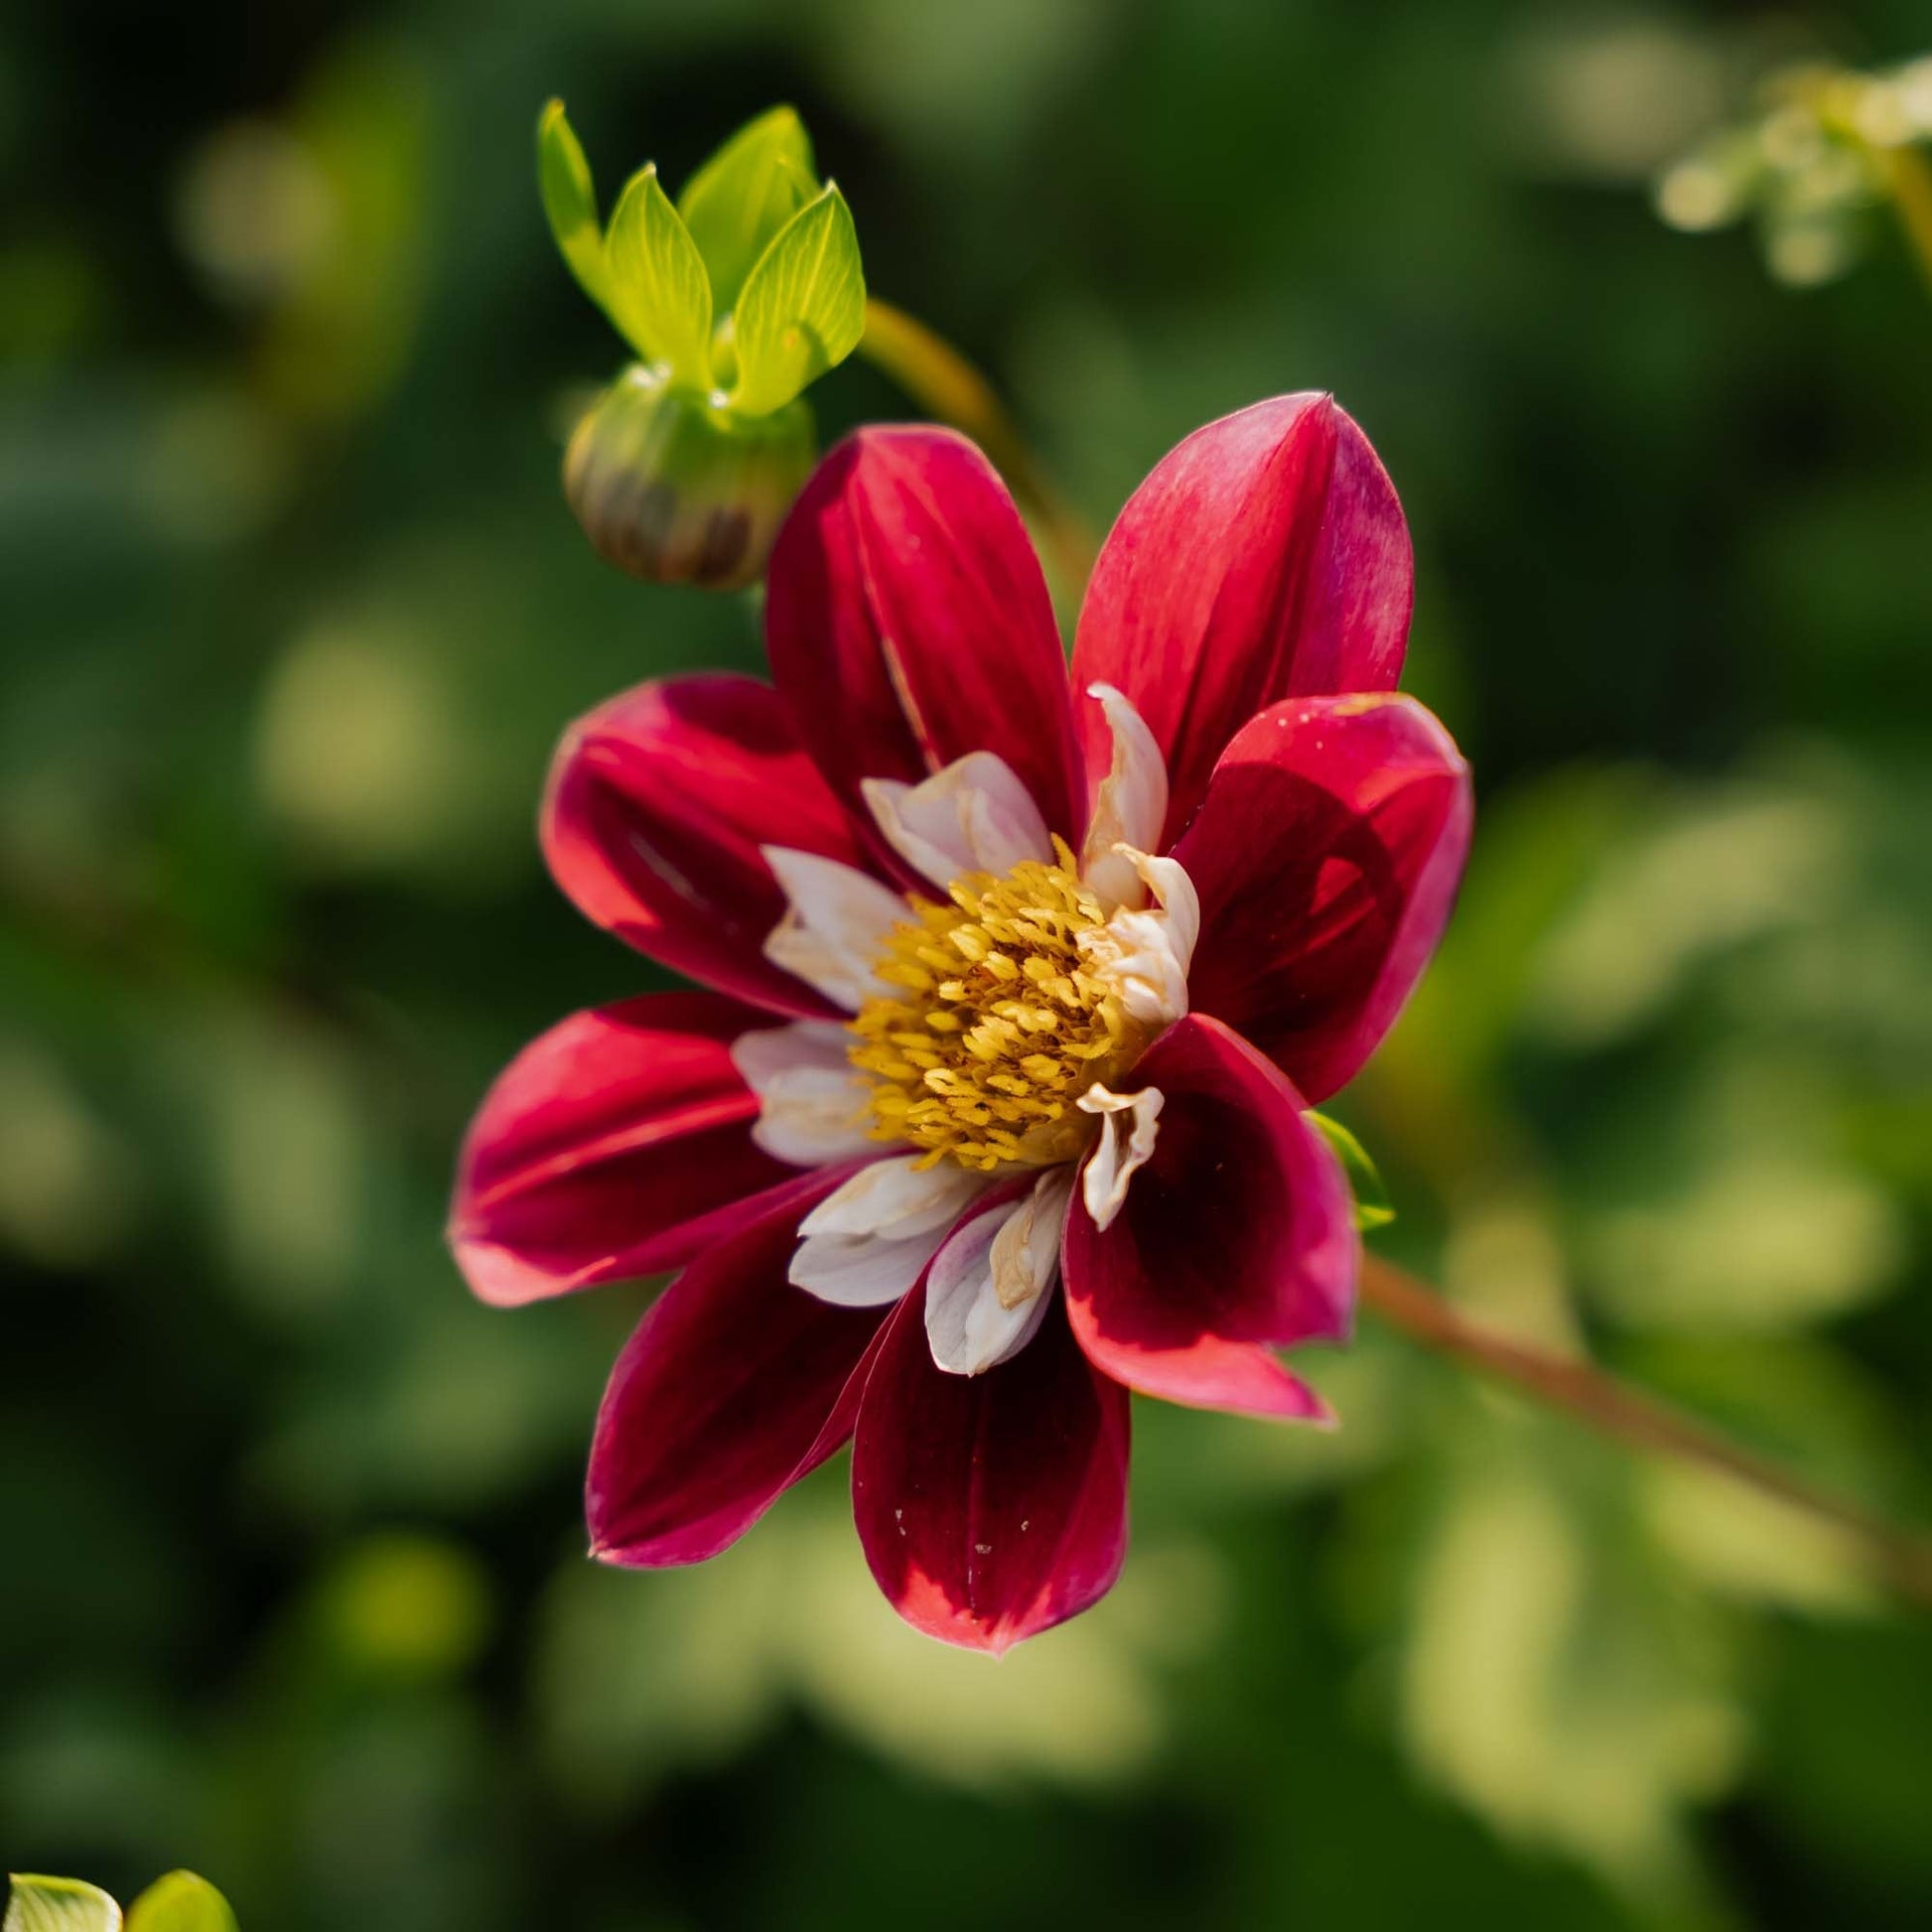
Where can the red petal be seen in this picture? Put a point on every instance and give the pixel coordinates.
(1265, 558)
(616, 1145)
(1326, 856)
(735, 1384)
(908, 623)
(991, 1506)
(1236, 1235)
(657, 804)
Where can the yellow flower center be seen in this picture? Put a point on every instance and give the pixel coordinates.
(998, 1022)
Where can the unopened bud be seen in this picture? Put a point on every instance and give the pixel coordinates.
(675, 488)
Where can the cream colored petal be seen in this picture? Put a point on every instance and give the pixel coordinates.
(812, 1107)
(974, 816)
(894, 1198)
(836, 927)
(859, 1271)
(1128, 1127)
(1146, 954)
(989, 1287)
(1130, 807)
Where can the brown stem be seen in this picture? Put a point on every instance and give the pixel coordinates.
(1902, 1558)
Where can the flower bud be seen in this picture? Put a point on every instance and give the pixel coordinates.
(676, 489)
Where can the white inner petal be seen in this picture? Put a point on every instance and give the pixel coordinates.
(894, 1198)
(974, 816)
(835, 928)
(987, 1290)
(813, 1109)
(1129, 1123)
(859, 1271)
(1146, 954)
(1129, 806)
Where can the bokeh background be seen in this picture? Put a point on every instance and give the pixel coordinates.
(292, 1586)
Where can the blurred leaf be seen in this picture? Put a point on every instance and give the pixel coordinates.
(570, 202)
(660, 295)
(744, 195)
(59, 1905)
(1372, 1209)
(802, 309)
(181, 1902)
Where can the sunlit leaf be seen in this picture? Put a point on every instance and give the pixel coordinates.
(1372, 1208)
(181, 1902)
(660, 295)
(35, 1904)
(802, 309)
(745, 193)
(570, 201)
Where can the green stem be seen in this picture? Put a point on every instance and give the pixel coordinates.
(947, 386)
(1908, 180)
(1615, 1409)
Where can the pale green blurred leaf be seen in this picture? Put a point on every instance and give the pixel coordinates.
(35, 1904)
(570, 202)
(1372, 1208)
(745, 193)
(181, 1902)
(659, 292)
(802, 309)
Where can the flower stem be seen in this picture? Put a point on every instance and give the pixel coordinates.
(1908, 178)
(947, 386)
(1902, 1558)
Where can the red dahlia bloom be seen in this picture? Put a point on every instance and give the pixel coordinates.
(1021, 987)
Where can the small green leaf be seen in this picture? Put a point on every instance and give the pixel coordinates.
(745, 193)
(570, 202)
(1372, 1209)
(181, 1902)
(37, 1905)
(661, 294)
(802, 309)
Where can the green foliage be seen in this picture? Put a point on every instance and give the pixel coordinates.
(1371, 1199)
(181, 1902)
(802, 309)
(659, 294)
(745, 193)
(570, 202)
(35, 1904)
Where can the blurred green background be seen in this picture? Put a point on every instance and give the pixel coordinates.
(291, 1587)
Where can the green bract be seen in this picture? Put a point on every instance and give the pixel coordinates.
(179, 1903)
(1372, 1208)
(745, 291)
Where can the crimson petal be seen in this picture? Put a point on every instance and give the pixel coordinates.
(657, 804)
(991, 1506)
(616, 1145)
(734, 1386)
(908, 623)
(1266, 557)
(1327, 854)
(1234, 1237)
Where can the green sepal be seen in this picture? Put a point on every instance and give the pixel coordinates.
(661, 294)
(1372, 1208)
(744, 195)
(802, 308)
(181, 1902)
(570, 202)
(37, 1905)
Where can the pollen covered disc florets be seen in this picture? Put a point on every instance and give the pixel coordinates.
(999, 1019)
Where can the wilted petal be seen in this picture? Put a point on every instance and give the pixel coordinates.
(1130, 804)
(1236, 1236)
(616, 1145)
(733, 1387)
(908, 623)
(1326, 857)
(1265, 558)
(974, 816)
(990, 1506)
(657, 807)
(1129, 1126)
(1144, 955)
(989, 1285)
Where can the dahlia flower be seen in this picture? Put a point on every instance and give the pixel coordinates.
(1019, 987)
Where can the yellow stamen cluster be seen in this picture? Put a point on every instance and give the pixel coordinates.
(997, 1024)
